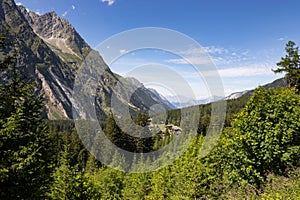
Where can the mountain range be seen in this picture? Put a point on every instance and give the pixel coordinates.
(183, 101)
(51, 51)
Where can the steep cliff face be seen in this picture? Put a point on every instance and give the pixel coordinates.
(52, 51)
(39, 61)
(59, 35)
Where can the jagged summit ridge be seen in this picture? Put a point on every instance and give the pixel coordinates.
(56, 31)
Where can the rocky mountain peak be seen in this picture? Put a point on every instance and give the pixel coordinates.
(57, 32)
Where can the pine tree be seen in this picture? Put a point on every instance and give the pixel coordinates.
(291, 65)
(137, 185)
(64, 180)
(25, 162)
(112, 130)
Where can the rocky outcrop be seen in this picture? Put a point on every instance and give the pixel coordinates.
(57, 32)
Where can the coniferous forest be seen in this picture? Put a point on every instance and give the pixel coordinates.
(256, 157)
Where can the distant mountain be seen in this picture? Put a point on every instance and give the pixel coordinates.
(277, 83)
(51, 51)
(162, 98)
(236, 95)
(182, 101)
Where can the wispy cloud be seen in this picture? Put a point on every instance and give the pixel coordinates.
(67, 11)
(282, 38)
(197, 56)
(215, 50)
(200, 60)
(109, 2)
(123, 51)
(211, 54)
(251, 70)
(255, 69)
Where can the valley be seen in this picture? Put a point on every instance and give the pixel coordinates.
(72, 128)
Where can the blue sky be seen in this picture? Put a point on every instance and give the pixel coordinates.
(244, 39)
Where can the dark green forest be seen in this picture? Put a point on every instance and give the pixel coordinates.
(256, 156)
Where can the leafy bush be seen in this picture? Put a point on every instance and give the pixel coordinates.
(264, 138)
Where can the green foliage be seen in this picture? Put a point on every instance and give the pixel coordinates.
(252, 159)
(275, 188)
(280, 187)
(136, 186)
(264, 138)
(269, 129)
(105, 183)
(233, 107)
(290, 64)
(68, 181)
(25, 162)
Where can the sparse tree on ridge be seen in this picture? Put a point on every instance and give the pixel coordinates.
(290, 64)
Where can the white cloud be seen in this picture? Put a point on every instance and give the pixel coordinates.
(197, 56)
(211, 54)
(123, 51)
(200, 60)
(65, 13)
(282, 38)
(250, 70)
(215, 50)
(256, 69)
(204, 50)
(109, 2)
(245, 53)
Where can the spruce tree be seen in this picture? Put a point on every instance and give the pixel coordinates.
(24, 154)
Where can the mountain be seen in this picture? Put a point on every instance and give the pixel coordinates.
(51, 51)
(59, 35)
(161, 98)
(277, 83)
(236, 95)
(182, 101)
(39, 61)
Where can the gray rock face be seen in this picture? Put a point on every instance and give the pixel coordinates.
(51, 52)
(57, 32)
(54, 77)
